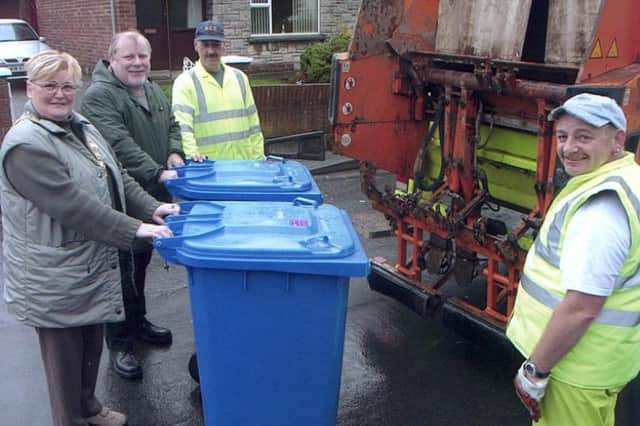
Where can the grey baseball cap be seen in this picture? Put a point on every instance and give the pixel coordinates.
(595, 110)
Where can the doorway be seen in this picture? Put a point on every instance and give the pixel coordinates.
(169, 25)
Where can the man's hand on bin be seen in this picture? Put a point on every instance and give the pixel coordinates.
(530, 390)
(174, 160)
(151, 232)
(198, 158)
(164, 210)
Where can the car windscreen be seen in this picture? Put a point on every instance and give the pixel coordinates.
(16, 32)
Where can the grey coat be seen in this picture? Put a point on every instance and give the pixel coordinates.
(61, 246)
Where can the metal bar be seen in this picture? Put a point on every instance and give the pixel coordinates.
(451, 115)
(499, 84)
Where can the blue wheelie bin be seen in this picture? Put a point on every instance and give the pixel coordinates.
(268, 284)
(273, 179)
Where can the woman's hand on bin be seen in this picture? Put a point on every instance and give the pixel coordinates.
(165, 210)
(151, 232)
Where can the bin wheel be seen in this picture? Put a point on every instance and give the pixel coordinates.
(193, 367)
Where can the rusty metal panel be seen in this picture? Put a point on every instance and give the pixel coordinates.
(487, 28)
(289, 109)
(570, 30)
(377, 21)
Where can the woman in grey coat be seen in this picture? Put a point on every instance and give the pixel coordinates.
(67, 207)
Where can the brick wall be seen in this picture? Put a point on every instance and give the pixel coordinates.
(83, 28)
(335, 15)
(5, 108)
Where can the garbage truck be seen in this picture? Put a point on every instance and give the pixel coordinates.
(452, 97)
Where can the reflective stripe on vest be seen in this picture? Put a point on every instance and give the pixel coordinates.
(614, 317)
(211, 140)
(204, 116)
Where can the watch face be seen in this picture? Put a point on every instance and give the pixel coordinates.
(529, 368)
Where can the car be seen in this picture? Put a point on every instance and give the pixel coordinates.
(18, 42)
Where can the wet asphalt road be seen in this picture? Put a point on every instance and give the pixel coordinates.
(398, 368)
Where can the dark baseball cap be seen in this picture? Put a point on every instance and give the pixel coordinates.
(209, 31)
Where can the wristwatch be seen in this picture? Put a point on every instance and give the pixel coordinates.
(532, 370)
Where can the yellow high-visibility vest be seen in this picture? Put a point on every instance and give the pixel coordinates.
(220, 122)
(607, 355)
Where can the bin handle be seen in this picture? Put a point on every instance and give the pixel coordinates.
(192, 165)
(301, 201)
(177, 240)
(276, 158)
(198, 218)
(186, 206)
(320, 243)
(204, 163)
(182, 179)
(280, 179)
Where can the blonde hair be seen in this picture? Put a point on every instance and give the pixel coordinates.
(132, 35)
(46, 64)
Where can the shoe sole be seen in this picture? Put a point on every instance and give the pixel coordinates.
(156, 342)
(93, 424)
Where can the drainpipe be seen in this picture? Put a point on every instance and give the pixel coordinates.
(113, 17)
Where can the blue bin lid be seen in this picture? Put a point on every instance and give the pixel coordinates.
(273, 179)
(299, 237)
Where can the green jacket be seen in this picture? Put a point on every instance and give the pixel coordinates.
(141, 138)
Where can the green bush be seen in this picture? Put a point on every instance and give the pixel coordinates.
(315, 61)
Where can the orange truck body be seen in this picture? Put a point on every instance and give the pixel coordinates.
(425, 72)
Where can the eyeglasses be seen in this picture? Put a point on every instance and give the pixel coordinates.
(51, 87)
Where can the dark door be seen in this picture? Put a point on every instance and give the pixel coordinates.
(184, 15)
(152, 22)
(169, 25)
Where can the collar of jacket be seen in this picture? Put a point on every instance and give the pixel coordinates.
(202, 72)
(51, 126)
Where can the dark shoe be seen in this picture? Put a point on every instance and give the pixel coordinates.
(126, 364)
(153, 334)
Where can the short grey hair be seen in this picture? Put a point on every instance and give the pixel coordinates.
(132, 35)
(45, 64)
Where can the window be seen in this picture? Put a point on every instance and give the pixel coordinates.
(16, 32)
(284, 16)
(185, 13)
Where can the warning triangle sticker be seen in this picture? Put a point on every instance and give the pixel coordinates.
(597, 50)
(613, 50)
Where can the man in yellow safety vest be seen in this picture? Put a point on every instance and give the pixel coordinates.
(214, 104)
(577, 313)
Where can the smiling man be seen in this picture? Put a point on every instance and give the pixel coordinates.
(214, 104)
(134, 116)
(577, 313)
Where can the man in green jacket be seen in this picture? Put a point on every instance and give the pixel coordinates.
(134, 116)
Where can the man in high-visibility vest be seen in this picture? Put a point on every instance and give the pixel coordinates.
(577, 313)
(214, 104)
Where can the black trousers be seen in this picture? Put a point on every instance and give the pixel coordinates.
(71, 358)
(133, 270)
